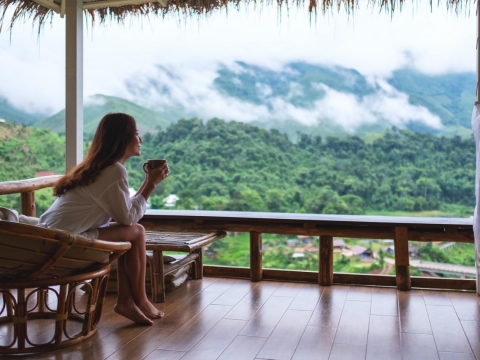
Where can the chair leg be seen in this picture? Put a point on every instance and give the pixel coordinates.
(61, 311)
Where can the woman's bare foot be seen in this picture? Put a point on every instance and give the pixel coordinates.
(132, 312)
(150, 311)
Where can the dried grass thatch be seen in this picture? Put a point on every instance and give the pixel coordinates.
(25, 9)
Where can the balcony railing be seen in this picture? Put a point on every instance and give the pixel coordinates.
(400, 229)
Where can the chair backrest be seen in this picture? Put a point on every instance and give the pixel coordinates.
(29, 252)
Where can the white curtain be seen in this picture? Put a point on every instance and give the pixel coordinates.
(476, 216)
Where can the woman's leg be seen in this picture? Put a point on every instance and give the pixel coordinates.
(131, 268)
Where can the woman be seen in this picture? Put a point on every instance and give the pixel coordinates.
(95, 192)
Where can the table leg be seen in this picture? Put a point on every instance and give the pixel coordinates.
(198, 264)
(158, 278)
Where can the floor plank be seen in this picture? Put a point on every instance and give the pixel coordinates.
(384, 302)
(466, 305)
(419, 347)
(455, 356)
(307, 298)
(243, 348)
(288, 289)
(436, 298)
(359, 293)
(142, 345)
(347, 352)
(413, 314)
(252, 302)
(472, 331)
(281, 344)
(192, 331)
(384, 338)
(447, 329)
(329, 307)
(164, 355)
(233, 319)
(315, 343)
(353, 327)
(211, 346)
(265, 320)
(181, 315)
(237, 292)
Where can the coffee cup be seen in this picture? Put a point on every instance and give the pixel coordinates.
(153, 163)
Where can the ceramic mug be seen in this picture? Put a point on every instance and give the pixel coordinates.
(153, 163)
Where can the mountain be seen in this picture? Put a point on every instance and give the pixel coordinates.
(450, 96)
(19, 116)
(234, 166)
(98, 105)
(296, 98)
(313, 99)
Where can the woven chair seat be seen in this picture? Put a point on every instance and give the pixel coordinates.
(41, 272)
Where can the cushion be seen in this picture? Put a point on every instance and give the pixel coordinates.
(8, 214)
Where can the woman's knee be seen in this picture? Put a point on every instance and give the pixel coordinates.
(137, 232)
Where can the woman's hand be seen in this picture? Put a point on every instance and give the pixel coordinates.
(157, 175)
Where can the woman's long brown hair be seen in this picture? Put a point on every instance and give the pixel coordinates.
(114, 132)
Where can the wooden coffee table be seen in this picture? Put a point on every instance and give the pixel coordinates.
(188, 242)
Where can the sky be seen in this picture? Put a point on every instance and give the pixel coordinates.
(433, 41)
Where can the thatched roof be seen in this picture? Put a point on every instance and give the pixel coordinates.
(99, 10)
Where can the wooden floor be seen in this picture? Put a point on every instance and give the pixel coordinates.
(233, 319)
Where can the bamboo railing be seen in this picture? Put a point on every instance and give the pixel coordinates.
(26, 189)
(400, 229)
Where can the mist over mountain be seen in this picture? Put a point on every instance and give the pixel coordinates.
(295, 98)
(10, 113)
(312, 98)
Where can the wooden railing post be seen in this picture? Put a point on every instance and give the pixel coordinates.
(402, 263)
(256, 267)
(325, 261)
(28, 203)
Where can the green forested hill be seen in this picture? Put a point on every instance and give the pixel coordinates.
(98, 105)
(23, 152)
(234, 166)
(222, 165)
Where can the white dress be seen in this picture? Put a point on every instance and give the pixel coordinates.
(84, 209)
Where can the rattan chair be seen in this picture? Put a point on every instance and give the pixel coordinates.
(42, 307)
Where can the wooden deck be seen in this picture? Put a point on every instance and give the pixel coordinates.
(228, 319)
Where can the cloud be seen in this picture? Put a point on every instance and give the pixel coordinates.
(193, 88)
(375, 44)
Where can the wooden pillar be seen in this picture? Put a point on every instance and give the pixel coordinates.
(256, 267)
(402, 263)
(27, 200)
(74, 83)
(325, 261)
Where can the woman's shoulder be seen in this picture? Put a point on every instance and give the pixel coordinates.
(116, 170)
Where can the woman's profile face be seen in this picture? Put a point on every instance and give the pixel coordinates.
(134, 148)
